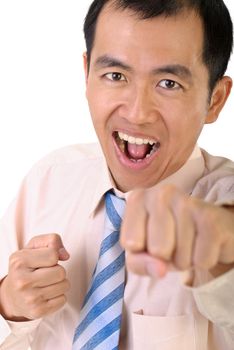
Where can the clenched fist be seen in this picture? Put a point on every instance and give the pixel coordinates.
(163, 227)
(36, 284)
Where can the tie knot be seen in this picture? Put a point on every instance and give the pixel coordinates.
(115, 208)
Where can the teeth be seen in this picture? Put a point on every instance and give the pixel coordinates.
(135, 140)
(131, 139)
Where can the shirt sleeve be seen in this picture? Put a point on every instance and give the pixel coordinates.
(16, 335)
(13, 228)
(215, 301)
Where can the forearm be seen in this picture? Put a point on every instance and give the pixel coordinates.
(215, 301)
(220, 269)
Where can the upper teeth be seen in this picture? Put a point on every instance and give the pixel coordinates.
(135, 140)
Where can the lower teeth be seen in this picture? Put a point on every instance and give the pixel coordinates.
(153, 150)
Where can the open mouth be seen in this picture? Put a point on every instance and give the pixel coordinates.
(136, 149)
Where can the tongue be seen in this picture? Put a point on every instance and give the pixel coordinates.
(137, 151)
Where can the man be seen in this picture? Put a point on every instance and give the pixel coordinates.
(155, 75)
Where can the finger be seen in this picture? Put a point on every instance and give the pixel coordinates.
(52, 240)
(47, 276)
(144, 264)
(185, 234)
(56, 303)
(226, 255)
(133, 228)
(227, 248)
(209, 237)
(47, 307)
(161, 226)
(34, 258)
(206, 252)
(54, 290)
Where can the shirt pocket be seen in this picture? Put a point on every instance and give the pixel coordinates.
(163, 333)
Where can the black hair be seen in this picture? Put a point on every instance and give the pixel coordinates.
(217, 24)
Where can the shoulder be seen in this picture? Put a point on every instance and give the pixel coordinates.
(72, 157)
(217, 164)
(72, 154)
(217, 183)
(67, 166)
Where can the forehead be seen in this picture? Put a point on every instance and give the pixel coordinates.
(121, 33)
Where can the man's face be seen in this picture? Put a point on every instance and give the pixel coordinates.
(147, 90)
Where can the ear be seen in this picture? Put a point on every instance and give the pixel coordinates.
(85, 65)
(218, 99)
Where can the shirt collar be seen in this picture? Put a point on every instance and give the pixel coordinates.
(104, 183)
(185, 178)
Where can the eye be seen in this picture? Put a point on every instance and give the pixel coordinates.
(115, 76)
(169, 84)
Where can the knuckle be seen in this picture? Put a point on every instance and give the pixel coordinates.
(135, 196)
(33, 300)
(182, 264)
(161, 196)
(182, 205)
(30, 300)
(207, 215)
(52, 256)
(194, 202)
(167, 190)
(22, 283)
(53, 238)
(44, 240)
(16, 260)
(205, 262)
(154, 250)
(163, 251)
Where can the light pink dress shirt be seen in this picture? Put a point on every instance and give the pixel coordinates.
(63, 194)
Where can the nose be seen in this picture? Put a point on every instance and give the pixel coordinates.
(140, 107)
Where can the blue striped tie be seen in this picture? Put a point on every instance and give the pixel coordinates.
(100, 317)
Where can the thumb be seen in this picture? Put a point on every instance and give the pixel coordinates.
(51, 240)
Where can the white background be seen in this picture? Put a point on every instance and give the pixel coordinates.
(42, 91)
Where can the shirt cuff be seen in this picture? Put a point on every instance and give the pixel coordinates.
(229, 202)
(215, 300)
(5, 329)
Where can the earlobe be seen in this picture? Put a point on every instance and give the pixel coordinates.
(218, 99)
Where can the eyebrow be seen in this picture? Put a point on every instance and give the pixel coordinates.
(175, 69)
(108, 62)
(179, 70)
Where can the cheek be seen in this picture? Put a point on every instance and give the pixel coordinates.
(101, 115)
(185, 118)
(96, 107)
(97, 98)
